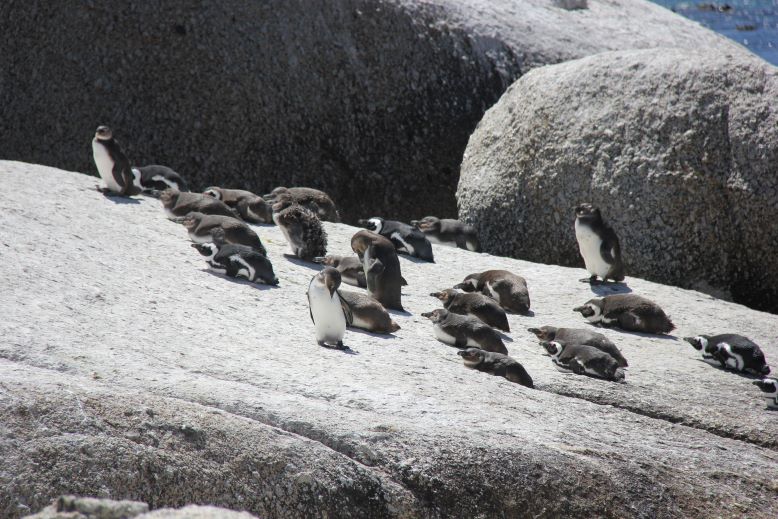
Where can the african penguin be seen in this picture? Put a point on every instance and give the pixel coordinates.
(405, 238)
(731, 351)
(580, 336)
(449, 232)
(381, 266)
(478, 305)
(350, 268)
(317, 201)
(362, 311)
(327, 312)
(252, 208)
(302, 229)
(505, 287)
(464, 330)
(200, 227)
(598, 244)
(626, 311)
(177, 204)
(584, 360)
(157, 178)
(496, 364)
(237, 261)
(769, 388)
(112, 164)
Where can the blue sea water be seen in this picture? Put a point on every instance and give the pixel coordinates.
(753, 23)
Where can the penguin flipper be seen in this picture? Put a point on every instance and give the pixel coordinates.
(309, 307)
(347, 313)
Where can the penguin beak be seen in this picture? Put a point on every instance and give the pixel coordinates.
(439, 295)
(694, 344)
(330, 283)
(415, 223)
(428, 315)
(362, 222)
(459, 286)
(536, 331)
(461, 353)
(579, 309)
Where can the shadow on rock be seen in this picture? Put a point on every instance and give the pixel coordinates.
(239, 281)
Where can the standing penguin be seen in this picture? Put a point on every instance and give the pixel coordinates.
(362, 311)
(627, 311)
(201, 226)
(769, 387)
(327, 312)
(157, 178)
(478, 305)
(580, 336)
(449, 232)
(505, 287)
(496, 364)
(732, 351)
(237, 261)
(381, 266)
(302, 229)
(112, 164)
(598, 244)
(404, 237)
(584, 360)
(464, 330)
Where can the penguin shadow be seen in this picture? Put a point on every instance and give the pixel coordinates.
(413, 259)
(346, 350)
(404, 313)
(663, 336)
(528, 313)
(609, 289)
(384, 336)
(240, 281)
(741, 374)
(503, 335)
(118, 199)
(291, 258)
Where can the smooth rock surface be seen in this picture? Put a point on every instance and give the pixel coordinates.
(371, 100)
(73, 507)
(129, 371)
(678, 148)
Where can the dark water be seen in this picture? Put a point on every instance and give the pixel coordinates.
(753, 23)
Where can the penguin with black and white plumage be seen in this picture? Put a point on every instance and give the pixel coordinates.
(326, 308)
(598, 244)
(405, 238)
(731, 351)
(112, 164)
(155, 178)
(629, 312)
(769, 388)
(237, 261)
(201, 226)
(445, 231)
(583, 360)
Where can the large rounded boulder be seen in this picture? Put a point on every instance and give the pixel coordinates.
(678, 148)
(370, 100)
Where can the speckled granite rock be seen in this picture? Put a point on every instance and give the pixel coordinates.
(370, 100)
(678, 148)
(129, 371)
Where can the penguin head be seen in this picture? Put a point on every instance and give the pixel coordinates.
(103, 133)
(218, 236)
(471, 356)
(554, 348)
(445, 295)
(436, 315)
(361, 241)
(330, 261)
(208, 250)
(591, 310)
(374, 224)
(544, 333)
(330, 278)
(427, 224)
(588, 212)
(260, 208)
(214, 192)
(276, 192)
(700, 342)
(469, 284)
(281, 203)
(264, 272)
(192, 220)
(767, 385)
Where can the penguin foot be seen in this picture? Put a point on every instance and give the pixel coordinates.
(591, 280)
(338, 346)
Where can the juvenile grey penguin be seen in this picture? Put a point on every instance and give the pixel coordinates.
(327, 312)
(381, 266)
(112, 164)
(496, 364)
(237, 261)
(200, 227)
(584, 360)
(464, 330)
(731, 351)
(177, 204)
(626, 311)
(769, 388)
(598, 244)
(362, 311)
(449, 232)
(350, 268)
(405, 238)
(317, 201)
(302, 229)
(505, 287)
(251, 207)
(478, 305)
(157, 178)
(580, 336)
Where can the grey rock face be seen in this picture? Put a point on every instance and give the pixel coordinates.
(678, 148)
(370, 100)
(129, 371)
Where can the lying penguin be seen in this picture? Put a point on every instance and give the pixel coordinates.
(626, 311)
(155, 178)
(731, 351)
(478, 305)
(405, 238)
(251, 207)
(177, 204)
(200, 227)
(362, 311)
(449, 232)
(237, 261)
(580, 336)
(507, 288)
(584, 360)
(769, 387)
(496, 364)
(464, 330)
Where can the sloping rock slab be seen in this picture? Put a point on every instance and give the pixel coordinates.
(129, 371)
(73, 507)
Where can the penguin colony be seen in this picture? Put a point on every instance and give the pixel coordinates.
(473, 320)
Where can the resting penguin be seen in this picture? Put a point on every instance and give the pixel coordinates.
(362, 311)
(157, 178)
(317, 201)
(583, 360)
(449, 232)
(478, 305)
(598, 244)
(769, 386)
(350, 268)
(733, 351)
(200, 227)
(252, 208)
(496, 364)
(302, 229)
(405, 238)
(237, 261)
(112, 164)
(464, 330)
(626, 311)
(326, 309)
(506, 288)
(381, 266)
(177, 204)
(580, 336)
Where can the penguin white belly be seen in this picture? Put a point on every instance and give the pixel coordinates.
(104, 164)
(443, 336)
(160, 178)
(589, 244)
(470, 246)
(407, 246)
(734, 360)
(491, 292)
(327, 314)
(561, 367)
(200, 238)
(248, 271)
(359, 322)
(136, 176)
